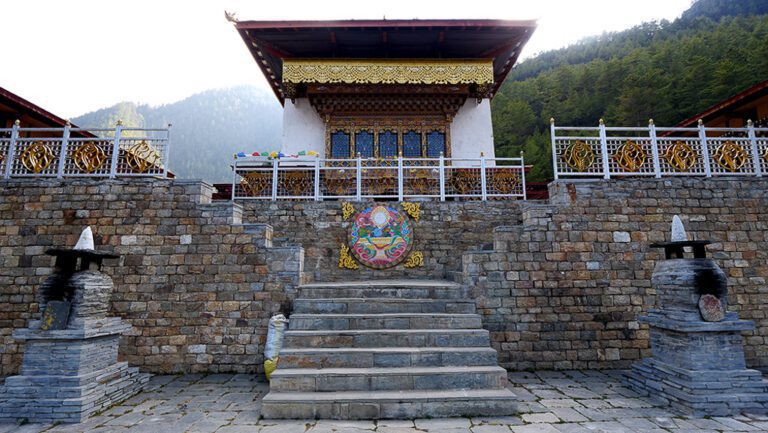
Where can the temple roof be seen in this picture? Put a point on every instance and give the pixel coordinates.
(272, 41)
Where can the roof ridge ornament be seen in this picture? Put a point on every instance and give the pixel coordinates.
(231, 17)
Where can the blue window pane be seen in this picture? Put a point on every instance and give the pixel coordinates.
(364, 144)
(340, 144)
(412, 144)
(387, 144)
(435, 144)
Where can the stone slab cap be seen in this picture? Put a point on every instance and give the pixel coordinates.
(700, 326)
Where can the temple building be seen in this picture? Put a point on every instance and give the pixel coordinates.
(736, 111)
(383, 88)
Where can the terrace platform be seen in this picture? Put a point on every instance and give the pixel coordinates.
(577, 401)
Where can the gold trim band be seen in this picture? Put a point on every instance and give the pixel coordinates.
(388, 71)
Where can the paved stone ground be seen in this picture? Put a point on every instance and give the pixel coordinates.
(553, 402)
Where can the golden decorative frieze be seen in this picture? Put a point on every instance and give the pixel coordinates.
(388, 71)
(730, 156)
(415, 260)
(37, 157)
(680, 156)
(413, 209)
(345, 259)
(630, 156)
(141, 156)
(89, 157)
(347, 210)
(579, 155)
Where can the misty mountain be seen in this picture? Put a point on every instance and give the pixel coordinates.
(208, 128)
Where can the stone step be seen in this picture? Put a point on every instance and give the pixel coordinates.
(387, 379)
(382, 305)
(385, 321)
(387, 357)
(388, 404)
(410, 289)
(387, 338)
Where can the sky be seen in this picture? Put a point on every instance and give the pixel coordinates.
(76, 56)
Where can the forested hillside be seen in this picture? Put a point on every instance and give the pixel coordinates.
(660, 70)
(208, 128)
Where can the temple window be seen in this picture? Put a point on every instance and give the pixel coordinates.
(412, 144)
(340, 144)
(435, 144)
(387, 144)
(364, 144)
(382, 137)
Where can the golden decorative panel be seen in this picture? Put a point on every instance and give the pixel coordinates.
(388, 71)
(415, 260)
(413, 209)
(256, 183)
(347, 210)
(89, 157)
(504, 181)
(680, 156)
(37, 157)
(141, 156)
(345, 259)
(730, 156)
(579, 155)
(466, 180)
(630, 156)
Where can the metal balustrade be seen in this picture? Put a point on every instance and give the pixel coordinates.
(83, 152)
(314, 178)
(607, 152)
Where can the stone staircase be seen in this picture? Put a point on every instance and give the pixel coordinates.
(386, 349)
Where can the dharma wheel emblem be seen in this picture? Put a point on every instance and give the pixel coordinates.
(680, 156)
(141, 156)
(579, 155)
(730, 156)
(630, 156)
(37, 157)
(380, 237)
(89, 157)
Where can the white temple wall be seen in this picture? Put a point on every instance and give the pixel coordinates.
(472, 130)
(303, 128)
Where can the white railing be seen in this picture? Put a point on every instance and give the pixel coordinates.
(314, 178)
(655, 151)
(83, 152)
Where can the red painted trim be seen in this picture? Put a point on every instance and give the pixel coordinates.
(7, 96)
(721, 106)
(256, 25)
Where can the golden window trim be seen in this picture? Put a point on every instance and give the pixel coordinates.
(399, 126)
(380, 71)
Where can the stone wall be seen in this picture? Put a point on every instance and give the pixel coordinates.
(444, 230)
(559, 284)
(563, 289)
(197, 285)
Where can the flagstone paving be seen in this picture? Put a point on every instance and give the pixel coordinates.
(552, 402)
